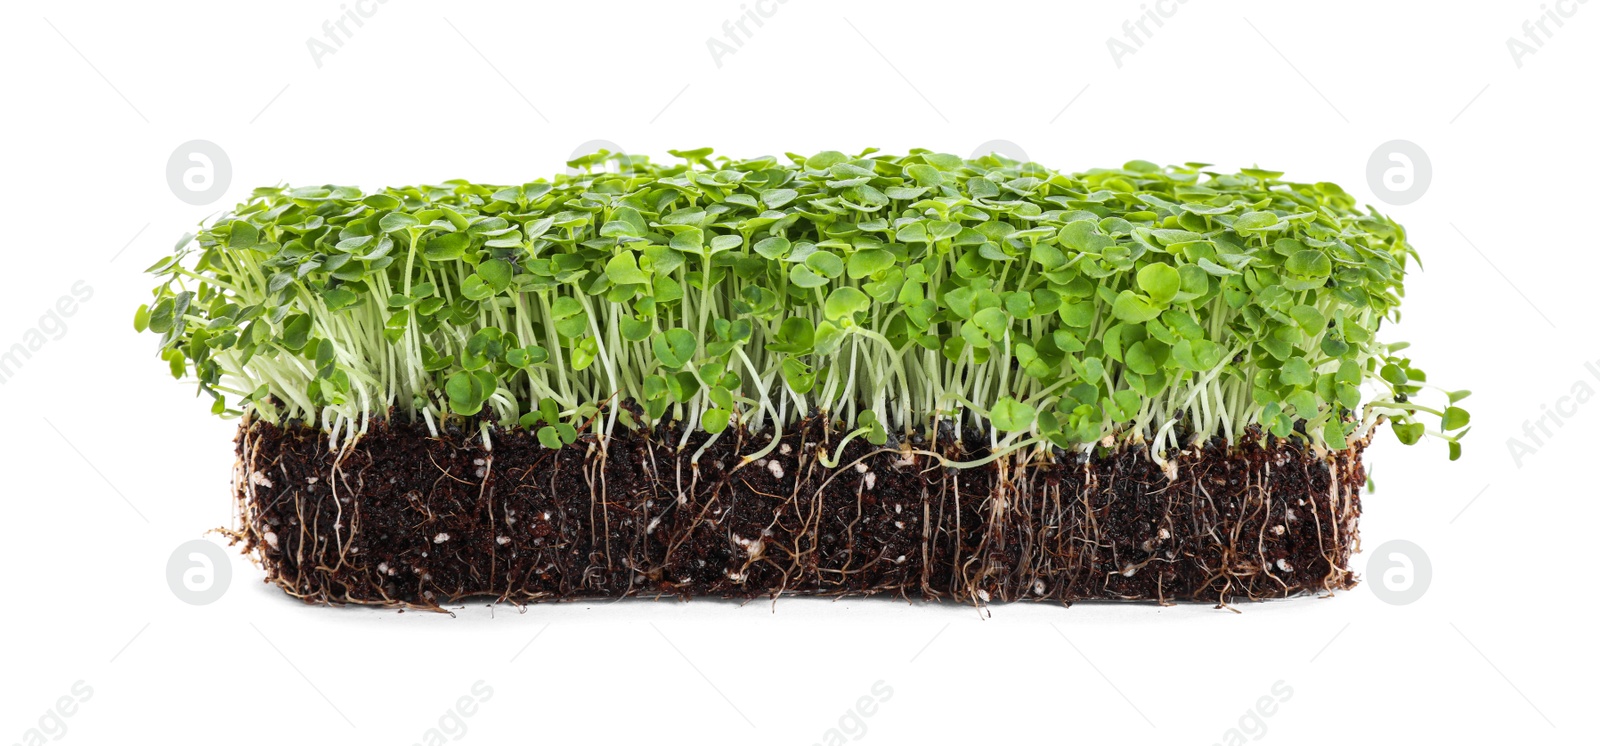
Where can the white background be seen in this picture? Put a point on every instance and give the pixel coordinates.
(110, 465)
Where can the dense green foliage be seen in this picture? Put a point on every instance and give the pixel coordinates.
(1146, 304)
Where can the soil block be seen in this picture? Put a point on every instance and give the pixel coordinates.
(403, 518)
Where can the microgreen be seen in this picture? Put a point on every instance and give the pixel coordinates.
(1155, 305)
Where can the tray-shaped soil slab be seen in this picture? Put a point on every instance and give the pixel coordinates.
(402, 518)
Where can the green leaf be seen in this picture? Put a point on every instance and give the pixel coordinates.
(826, 159)
(802, 276)
(844, 302)
(715, 420)
(625, 222)
(992, 321)
(243, 235)
(497, 273)
(1160, 281)
(1296, 372)
(1408, 432)
(1140, 358)
(585, 353)
(1010, 415)
(337, 298)
(1047, 256)
(825, 263)
(674, 348)
(776, 198)
(828, 338)
(623, 269)
(1308, 319)
(924, 175)
(397, 221)
(380, 202)
(1134, 308)
(459, 386)
(868, 262)
(1214, 269)
(446, 247)
(794, 335)
(1256, 221)
(1304, 404)
(525, 357)
(1309, 263)
(475, 288)
(1129, 402)
(773, 247)
(1334, 433)
(798, 376)
(691, 240)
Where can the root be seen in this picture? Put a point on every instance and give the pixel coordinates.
(399, 518)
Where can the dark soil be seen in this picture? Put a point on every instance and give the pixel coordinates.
(405, 519)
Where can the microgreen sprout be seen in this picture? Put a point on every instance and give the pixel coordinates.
(1142, 305)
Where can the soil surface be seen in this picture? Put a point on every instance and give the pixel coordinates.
(402, 518)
